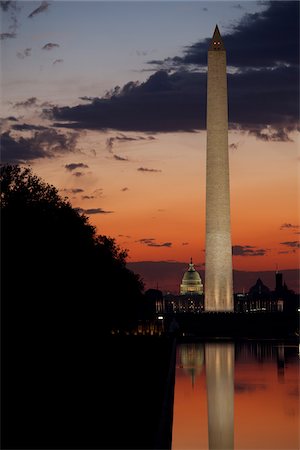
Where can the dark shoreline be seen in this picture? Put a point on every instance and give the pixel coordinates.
(117, 391)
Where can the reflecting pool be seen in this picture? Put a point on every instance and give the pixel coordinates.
(236, 396)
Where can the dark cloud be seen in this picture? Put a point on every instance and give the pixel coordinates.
(87, 197)
(121, 138)
(4, 5)
(150, 242)
(78, 174)
(292, 244)
(57, 61)
(50, 46)
(4, 36)
(43, 144)
(266, 39)
(176, 102)
(28, 127)
(43, 6)
(247, 250)
(72, 191)
(47, 105)
(120, 158)
(87, 99)
(12, 118)
(73, 166)
(162, 103)
(270, 134)
(93, 211)
(289, 226)
(145, 169)
(30, 102)
(124, 189)
(12, 21)
(263, 90)
(24, 53)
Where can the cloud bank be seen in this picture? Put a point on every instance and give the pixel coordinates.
(263, 87)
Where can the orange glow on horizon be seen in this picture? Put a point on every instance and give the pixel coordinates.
(168, 206)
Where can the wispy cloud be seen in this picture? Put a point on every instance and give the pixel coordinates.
(43, 144)
(4, 36)
(28, 127)
(151, 242)
(43, 7)
(234, 146)
(73, 166)
(87, 197)
(247, 250)
(122, 138)
(291, 244)
(24, 53)
(72, 190)
(145, 169)
(4, 5)
(50, 46)
(120, 158)
(98, 192)
(93, 211)
(289, 226)
(29, 103)
(12, 8)
(78, 174)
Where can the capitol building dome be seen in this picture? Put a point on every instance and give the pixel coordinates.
(191, 281)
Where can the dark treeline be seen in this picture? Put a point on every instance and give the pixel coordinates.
(63, 290)
(56, 272)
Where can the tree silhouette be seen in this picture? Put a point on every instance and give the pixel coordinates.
(63, 290)
(57, 274)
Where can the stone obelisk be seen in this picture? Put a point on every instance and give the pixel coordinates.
(218, 252)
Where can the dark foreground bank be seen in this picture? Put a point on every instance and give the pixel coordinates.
(117, 394)
(260, 325)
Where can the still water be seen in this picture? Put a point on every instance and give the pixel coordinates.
(236, 396)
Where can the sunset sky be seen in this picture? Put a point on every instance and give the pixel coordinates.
(106, 100)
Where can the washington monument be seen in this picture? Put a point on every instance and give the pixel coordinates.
(218, 256)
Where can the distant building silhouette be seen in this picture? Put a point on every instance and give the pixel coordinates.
(261, 298)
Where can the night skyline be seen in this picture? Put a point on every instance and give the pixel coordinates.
(133, 157)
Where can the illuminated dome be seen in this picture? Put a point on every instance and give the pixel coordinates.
(191, 281)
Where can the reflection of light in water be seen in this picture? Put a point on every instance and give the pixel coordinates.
(191, 357)
(219, 363)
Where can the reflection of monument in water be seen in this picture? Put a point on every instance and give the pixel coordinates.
(219, 366)
(191, 359)
(218, 257)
